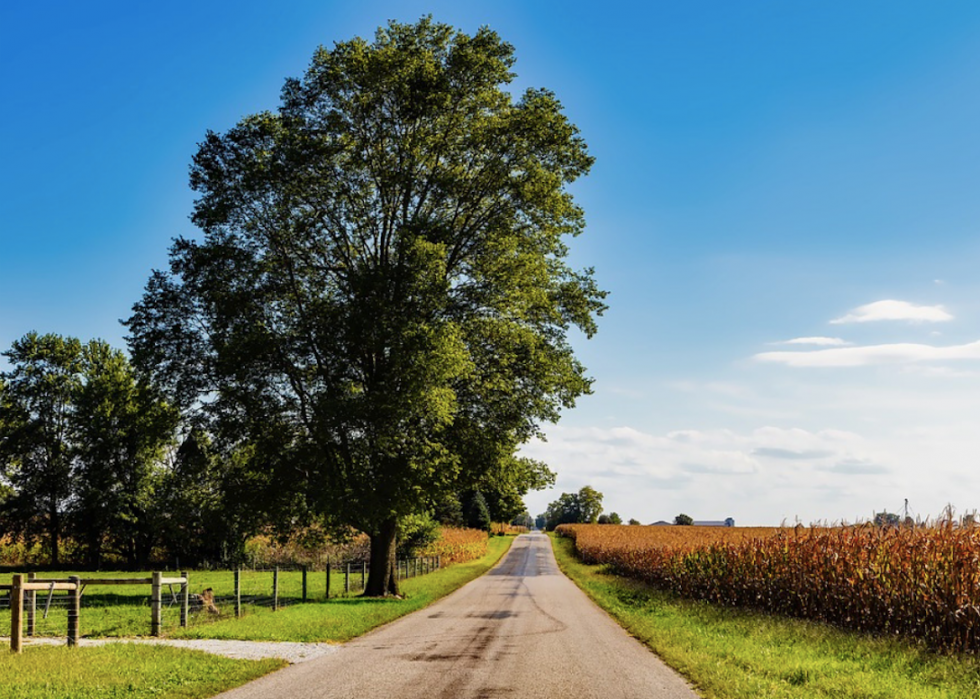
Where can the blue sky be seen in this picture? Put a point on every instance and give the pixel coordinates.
(766, 172)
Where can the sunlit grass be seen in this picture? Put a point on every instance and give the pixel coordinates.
(124, 610)
(122, 670)
(339, 620)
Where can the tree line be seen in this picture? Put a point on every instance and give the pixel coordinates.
(583, 507)
(94, 457)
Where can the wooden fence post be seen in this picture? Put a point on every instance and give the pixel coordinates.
(438, 562)
(347, 579)
(74, 611)
(275, 589)
(363, 575)
(238, 592)
(328, 577)
(16, 613)
(156, 606)
(31, 607)
(304, 583)
(185, 599)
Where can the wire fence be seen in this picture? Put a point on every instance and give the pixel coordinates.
(119, 606)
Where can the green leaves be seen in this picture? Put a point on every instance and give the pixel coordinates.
(379, 307)
(81, 441)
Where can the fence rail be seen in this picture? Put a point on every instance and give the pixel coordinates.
(113, 614)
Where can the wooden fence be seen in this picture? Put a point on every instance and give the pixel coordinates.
(24, 593)
(23, 601)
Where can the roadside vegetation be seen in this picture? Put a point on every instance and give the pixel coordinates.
(128, 670)
(345, 618)
(123, 610)
(732, 653)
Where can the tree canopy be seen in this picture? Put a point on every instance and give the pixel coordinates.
(377, 315)
(81, 443)
(583, 507)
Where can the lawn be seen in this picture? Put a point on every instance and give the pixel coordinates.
(129, 670)
(124, 610)
(341, 619)
(122, 670)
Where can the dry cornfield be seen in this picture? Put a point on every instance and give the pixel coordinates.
(456, 545)
(921, 582)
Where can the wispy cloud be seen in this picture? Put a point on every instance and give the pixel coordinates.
(792, 454)
(819, 341)
(855, 467)
(898, 353)
(894, 310)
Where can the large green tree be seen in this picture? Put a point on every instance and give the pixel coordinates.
(36, 426)
(121, 433)
(378, 310)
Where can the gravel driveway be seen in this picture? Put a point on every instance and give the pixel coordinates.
(244, 650)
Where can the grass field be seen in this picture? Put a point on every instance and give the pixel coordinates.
(128, 670)
(122, 670)
(342, 619)
(124, 610)
(736, 654)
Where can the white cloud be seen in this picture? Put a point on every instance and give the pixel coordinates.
(820, 341)
(898, 353)
(943, 372)
(894, 310)
(757, 476)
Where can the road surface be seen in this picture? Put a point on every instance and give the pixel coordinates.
(521, 630)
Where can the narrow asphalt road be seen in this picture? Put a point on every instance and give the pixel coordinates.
(521, 630)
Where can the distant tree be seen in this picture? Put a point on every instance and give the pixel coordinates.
(523, 520)
(122, 428)
(505, 484)
(378, 310)
(887, 519)
(603, 519)
(575, 508)
(614, 518)
(634, 521)
(36, 440)
(541, 522)
(590, 504)
(683, 519)
(475, 511)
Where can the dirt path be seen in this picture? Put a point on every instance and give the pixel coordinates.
(522, 630)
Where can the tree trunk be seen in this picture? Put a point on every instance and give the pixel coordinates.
(382, 579)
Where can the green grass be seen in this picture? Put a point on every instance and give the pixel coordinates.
(339, 620)
(124, 610)
(129, 670)
(122, 670)
(739, 654)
